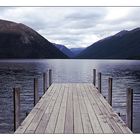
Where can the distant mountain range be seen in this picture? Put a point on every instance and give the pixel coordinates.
(20, 41)
(76, 51)
(65, 50)
(71, 53)
(123, 45)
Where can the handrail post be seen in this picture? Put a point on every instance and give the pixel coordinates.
(44, 82)
(50, 77)
(35, 91)
(94, 77)
(16, 103)
(110, 91)
(129, 110)
(99, 82)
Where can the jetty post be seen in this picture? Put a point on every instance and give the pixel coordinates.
(129, 108)
(50, 77)
(36, 96)
(99, 82)
(16, 103)
(44, 82)
(94, 77)
(110, 91)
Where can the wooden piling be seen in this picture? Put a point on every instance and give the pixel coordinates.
(44, 82)
(110, 91)
(94, 77)
(99, 82)
(16, 103)
(35, 91)
(129, 110)
(119, 114)
(104, 97)
(50, 77)
(27, 114)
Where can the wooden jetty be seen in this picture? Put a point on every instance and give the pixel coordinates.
(73, 108)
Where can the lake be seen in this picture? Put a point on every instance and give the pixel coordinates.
(125, 73)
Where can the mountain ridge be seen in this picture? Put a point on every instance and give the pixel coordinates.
(65, 50)
(20, 41)
(123, 45)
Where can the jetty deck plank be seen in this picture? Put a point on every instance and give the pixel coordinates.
(72, 108)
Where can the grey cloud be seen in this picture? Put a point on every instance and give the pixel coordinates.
(85, 19)
(4, 9)
(71, 26)
(83, 14)
(122, 23)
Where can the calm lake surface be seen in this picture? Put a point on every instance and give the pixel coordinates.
(125, 73)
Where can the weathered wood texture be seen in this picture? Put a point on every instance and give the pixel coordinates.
(50, 77)
(73, 108)
(129, 115)
(99, 82)
(94, 77)
(110, 91)
(36, 97)
(45, 86)
(16, 102)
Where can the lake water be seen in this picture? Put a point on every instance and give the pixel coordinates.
(125, 73)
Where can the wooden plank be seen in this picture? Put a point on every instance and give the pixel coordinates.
(34, 123)
(61, 117)
(101, 117)
(114, 118)
(92, 115)
(78, 128)
(96, 111)
(54, 115)
(84, 113)
(34, 111)
(46, 116)
(72, 108)
(69, 123)
(105, 112)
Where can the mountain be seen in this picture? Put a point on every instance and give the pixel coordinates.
(20, 41)
(121, 33)
(65, 50)
(123, 45)
(71, 53)
(76, 51)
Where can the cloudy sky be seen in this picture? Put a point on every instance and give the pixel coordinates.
(74, 26)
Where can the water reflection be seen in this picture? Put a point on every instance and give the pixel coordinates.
(13, 73)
